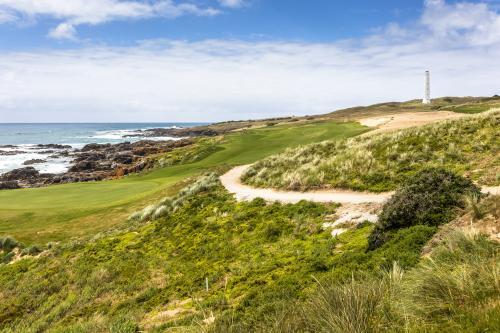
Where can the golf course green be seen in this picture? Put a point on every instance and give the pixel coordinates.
(60, 212)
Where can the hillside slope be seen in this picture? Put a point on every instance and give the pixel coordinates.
(60, 212)
(211, 264)
(469, 146)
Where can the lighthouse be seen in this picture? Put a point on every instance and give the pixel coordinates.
(427, 96)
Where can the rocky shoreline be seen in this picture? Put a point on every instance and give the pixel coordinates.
(176, 132)
(93, 162)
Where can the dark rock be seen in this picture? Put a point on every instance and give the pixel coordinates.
(53, 146)
(83, 166)
(11, 152)
(95, 146)
(96, 162)
(64, 153)
(176, 132)
(125, 158)
(34, 161)
(9, 185)
(20, 174)
(91, 156)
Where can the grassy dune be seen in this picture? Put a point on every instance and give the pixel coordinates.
(269, 267)
(469, 146)
(58, 212)
(263, 263)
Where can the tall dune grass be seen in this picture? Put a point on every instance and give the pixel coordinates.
(454, 290)
(468, 146)
(170, 204)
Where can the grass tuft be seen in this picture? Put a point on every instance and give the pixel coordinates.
(468, 146)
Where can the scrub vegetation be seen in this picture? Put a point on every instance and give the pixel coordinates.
(170, 250)
(469, 146)
(57, 213)
(432, 197)
(268, 267)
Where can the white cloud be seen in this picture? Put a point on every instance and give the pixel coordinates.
(472, 23)
(227, 79)
(232, 3)
(6, 17)
(63, 31)
(76, 12)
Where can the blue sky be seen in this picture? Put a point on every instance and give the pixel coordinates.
(206, 60)
(305, 20)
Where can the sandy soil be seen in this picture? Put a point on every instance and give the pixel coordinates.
(405, 120)
(232, 182)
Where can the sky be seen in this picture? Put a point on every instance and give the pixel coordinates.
(213, 60)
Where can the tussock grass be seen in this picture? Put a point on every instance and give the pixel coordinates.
(8, 243)
(454, 290)
(468, 146)
(454, 285)
(170, 204)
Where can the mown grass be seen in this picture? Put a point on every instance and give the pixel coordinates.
(257, 257)
(60, 212)
(468, 146)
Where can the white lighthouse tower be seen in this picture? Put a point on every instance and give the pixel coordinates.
(427, 96)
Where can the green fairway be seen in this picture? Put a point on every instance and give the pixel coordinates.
(59, 212)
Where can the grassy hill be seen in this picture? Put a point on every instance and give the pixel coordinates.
(59, 212)
(269, 268)
(469, 146)
(202, 262)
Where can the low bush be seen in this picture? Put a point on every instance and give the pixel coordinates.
(7, 244)
(32, 250)
(5, 258)
(431, 198)
(170, 204)
(456, 289)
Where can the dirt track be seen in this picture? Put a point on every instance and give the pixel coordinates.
(231, 181)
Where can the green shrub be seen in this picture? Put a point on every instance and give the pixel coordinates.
(32, 250)
(7, 244)
(404, 247)
(6, 258)
(272, 232)
(431, 197)
(168, 205)
(456, 289)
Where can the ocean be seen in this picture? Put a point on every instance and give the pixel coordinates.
(18, 142)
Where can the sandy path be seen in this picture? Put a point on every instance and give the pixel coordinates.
(406, 120)
(231, 181)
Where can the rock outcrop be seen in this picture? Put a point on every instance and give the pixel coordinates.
(93, 162)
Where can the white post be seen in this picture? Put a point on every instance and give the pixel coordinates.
(206, 283)
(427, 97)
